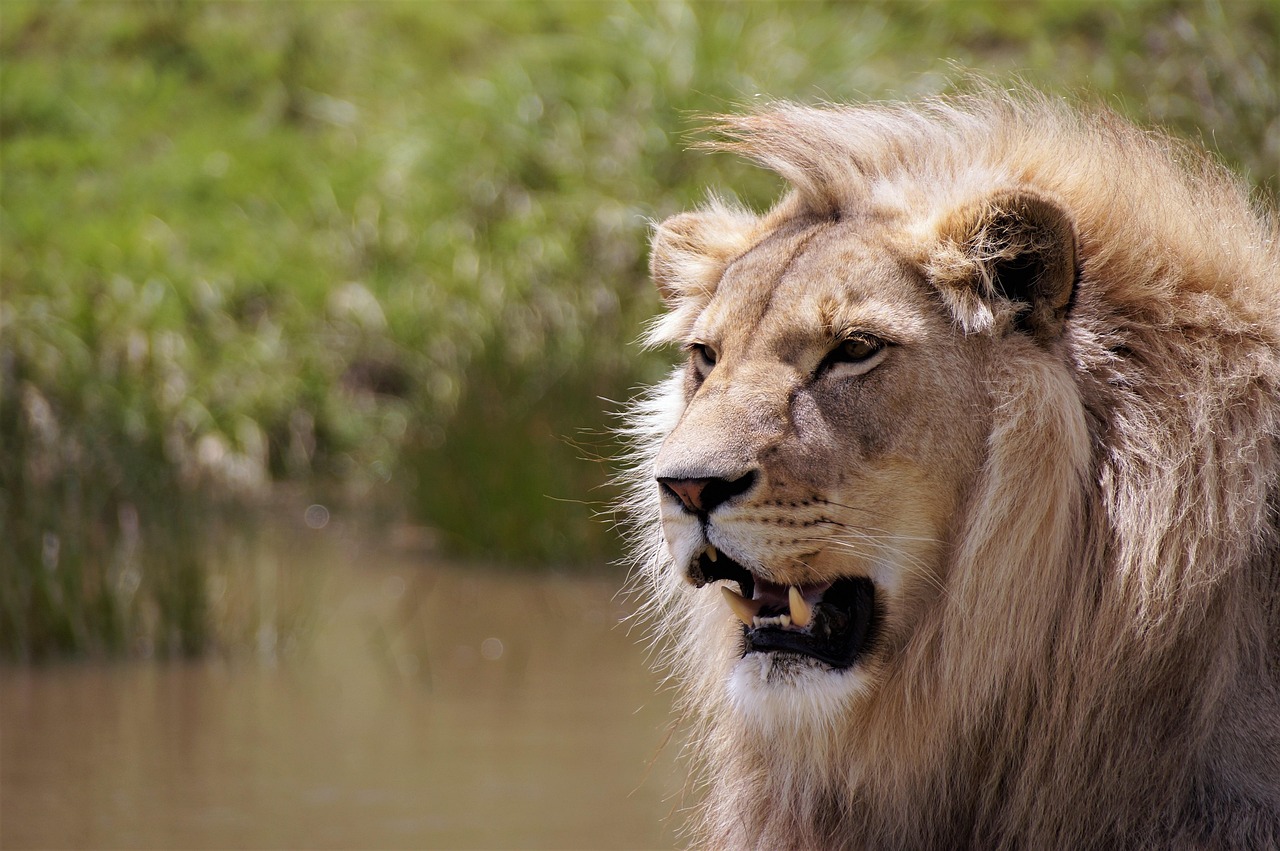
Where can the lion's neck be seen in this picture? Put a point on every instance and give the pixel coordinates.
(769, 796)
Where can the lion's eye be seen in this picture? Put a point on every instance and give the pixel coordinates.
(855, 350)
(703, 357)
(855, 355)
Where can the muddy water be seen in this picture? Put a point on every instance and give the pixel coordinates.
(422, 705)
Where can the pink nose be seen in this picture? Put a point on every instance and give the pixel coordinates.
(701, 496)
(689, 491)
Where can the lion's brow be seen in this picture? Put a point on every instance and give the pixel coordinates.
(828, 307)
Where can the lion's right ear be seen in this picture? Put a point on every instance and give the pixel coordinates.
(689, 251)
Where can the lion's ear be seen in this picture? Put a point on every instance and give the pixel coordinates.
(1008, 262)
(689, 251)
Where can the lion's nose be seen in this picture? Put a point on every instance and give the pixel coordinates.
(701, 496)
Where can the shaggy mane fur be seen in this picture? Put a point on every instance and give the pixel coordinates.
(1104, 667)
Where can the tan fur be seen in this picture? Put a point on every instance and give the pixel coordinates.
(1065, 483)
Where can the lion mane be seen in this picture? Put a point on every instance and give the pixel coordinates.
(1085, 653)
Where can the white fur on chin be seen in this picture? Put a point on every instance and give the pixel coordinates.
(783, 693)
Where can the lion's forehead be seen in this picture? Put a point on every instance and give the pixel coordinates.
(804, 285)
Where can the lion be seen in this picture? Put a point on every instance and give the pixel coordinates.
(960, 519)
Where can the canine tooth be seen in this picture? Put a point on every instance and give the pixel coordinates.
(711, 553)
(800, 613)
(743, 608)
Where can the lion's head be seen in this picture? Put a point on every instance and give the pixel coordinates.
(967, 484)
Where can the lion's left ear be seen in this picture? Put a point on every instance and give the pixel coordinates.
(1007, 263)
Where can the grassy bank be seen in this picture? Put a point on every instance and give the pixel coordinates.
(402, 245)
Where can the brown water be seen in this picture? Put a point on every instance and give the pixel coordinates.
(426, 706)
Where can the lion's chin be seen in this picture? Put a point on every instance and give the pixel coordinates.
(787, 691)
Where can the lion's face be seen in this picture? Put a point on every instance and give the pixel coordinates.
(833, 418)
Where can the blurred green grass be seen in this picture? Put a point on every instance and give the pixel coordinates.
(402, 245)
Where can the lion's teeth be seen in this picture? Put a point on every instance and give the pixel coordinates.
(748, 611)
(744, 609)
(711, 553)
(800, 613)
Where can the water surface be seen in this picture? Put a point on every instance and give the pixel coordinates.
(420, 705)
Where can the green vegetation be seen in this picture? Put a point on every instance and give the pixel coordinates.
(403, 244)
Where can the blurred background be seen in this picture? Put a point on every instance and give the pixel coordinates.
(315, 319)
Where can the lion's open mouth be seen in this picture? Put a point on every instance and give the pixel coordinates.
(832, 622)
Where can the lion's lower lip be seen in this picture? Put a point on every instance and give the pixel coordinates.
(841, 614)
